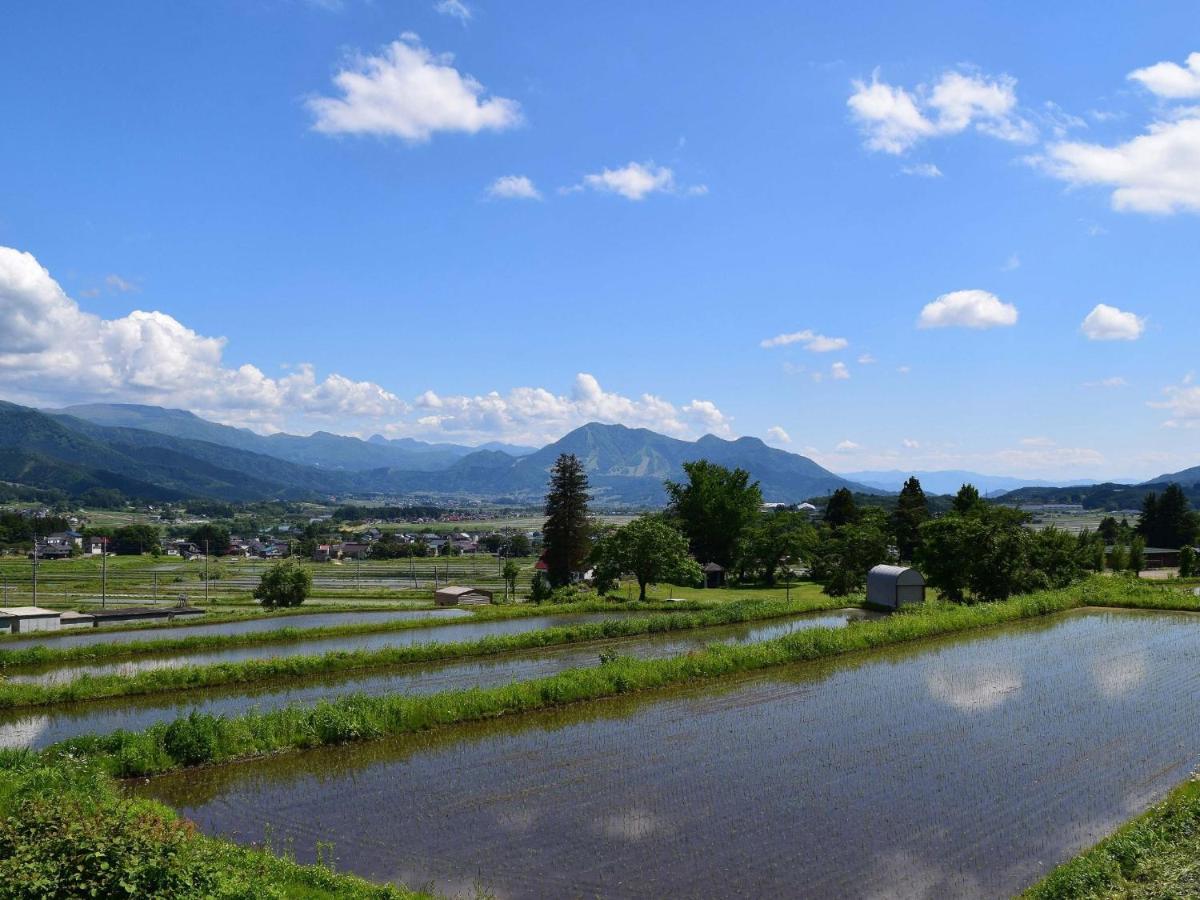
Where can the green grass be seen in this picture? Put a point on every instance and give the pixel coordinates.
(1157, 855)
(201, 739)
(67, 831)
(261, 671)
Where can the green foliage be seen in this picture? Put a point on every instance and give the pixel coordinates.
(286, 583)
(539, 588)
(1187, 561)
(967, 501)
(648, 549)
(566, 532)
(912, 511)
(779, 537)
(510, 573)
(214, 537)
(845, 554)
(1166, 520)
(841, 508)
(1137, 555)
(714, 507)
(193, 739)
(135, 539)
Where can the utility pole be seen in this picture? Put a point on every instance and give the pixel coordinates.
(35, 567)
(206, 572)
(103, 572)
(156, 589)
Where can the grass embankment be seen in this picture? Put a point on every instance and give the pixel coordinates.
(288, 668)
(1155, 855)
(65, 831)
(48, 655)
(201, 739)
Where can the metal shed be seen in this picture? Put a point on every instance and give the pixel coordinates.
(895, 586)
(467, 596)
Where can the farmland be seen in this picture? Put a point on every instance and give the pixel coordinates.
(347, 703)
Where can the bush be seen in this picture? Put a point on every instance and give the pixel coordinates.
(286, 583)
(192, 740)
(539, 589)
(68, 847)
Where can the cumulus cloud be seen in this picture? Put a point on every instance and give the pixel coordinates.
(967, 309)
(777, 435)
(866, 359)
(536, 414)
(838, 371)
(636, 181)
(1156, 172)
(817, 343)
(455, 9)
(1107, 323)
(894, 119)
(51, 350)
(1171, 80)
(513, 187)
(408, 92)
(846, 446)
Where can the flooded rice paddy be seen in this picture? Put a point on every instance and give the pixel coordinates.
(964, 766)
(116, 635)
(40, 727)
(451, 632)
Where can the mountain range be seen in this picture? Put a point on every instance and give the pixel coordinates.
(163, 454)
(948, 481)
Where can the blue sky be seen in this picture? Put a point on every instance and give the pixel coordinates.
(967, 232)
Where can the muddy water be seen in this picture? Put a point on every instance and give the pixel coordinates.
(449, 633)
(112, 635)
(960, 767)
(44, 726)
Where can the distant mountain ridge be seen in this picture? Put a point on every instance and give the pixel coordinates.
(162, 454)
(948, 481)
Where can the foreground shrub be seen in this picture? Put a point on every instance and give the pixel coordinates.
(192, 740)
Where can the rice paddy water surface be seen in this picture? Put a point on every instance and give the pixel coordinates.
(41, 726)
(964, 766)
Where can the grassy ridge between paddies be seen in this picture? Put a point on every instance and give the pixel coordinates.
(1155, 855)
(262, 671)
(201, 739)
(45, 655)
(11, 643)
(66, 831)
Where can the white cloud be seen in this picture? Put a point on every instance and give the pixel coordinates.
(514, 187)
(455, 9)
(838, 371)
(1107, 323)
(894, 119)
(846, 446)
(635, 181)
(536, 414)
(1012, 263)
(1183, 403)
(903, 370)
(866, 359)
(1115, 382)
(967, 309)
(408, 92)
(922, 170)
(1156, 172)
(51, 350)
(910, 444)
(1171, 80)
(817, 343)
(777, 435)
